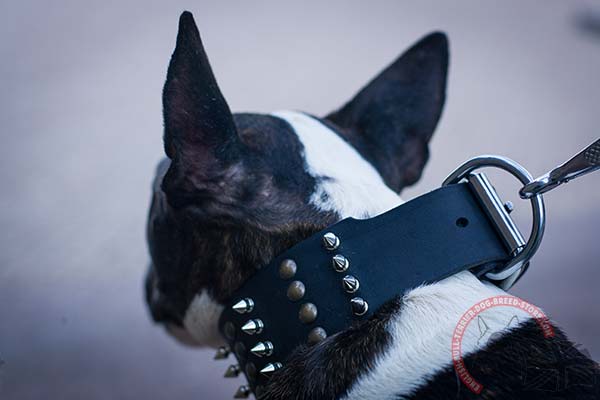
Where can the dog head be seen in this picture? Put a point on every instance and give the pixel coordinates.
(237, 189)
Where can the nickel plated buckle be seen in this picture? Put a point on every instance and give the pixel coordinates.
(521, 250)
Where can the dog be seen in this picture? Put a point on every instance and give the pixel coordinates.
(238, 189)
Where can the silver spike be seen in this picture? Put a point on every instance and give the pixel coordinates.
(243, 392)
(359, 306)
(244, 306)
(222, 353)
(340, 263)
(253, 327)
(232, 371)
(270, 368)
(262, 349)
(331, 241)
(351, 284)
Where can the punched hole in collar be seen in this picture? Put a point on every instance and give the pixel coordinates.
(462, 222)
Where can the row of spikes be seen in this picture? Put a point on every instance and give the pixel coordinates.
(233, 371)
(255, 326)
(261, 349)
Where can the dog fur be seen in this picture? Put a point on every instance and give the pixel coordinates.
(238, 189)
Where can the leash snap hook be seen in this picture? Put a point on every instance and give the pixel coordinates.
(586, 161)
(521, 251)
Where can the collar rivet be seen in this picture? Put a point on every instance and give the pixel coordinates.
(243, 392)
(287, 269)
(350, 283)
(251, 371)
(296, 291)
(307, 313)
(340, 263)
(359, 306)
(331, 241)
(240, 350)
(229, 330)
(232, 371)
(244, 306)
(222, 353)
(262, 349)
(316, 335)
(253, 327)
(270, 368)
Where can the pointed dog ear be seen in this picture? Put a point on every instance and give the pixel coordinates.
(200, 136)
(391, 120)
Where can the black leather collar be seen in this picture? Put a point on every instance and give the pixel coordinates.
(304, 295)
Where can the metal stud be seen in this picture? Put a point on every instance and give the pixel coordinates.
(240, 350)
(243, 392)
(316, 335)
(253, 327)
(287, 269)
(229, 330)
(232, 371)
(359, 306)
(296, 291)
(222, 353)
(350, 283)
(244, 306)
(331, 241)
(307, 313)
(262, 349)
(251, 371)
(340, 263)
(270, 368)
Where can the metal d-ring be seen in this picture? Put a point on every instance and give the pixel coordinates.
(537, 207)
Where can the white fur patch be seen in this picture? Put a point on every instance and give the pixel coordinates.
(422, 331)
(422, 335)
(201, 320)
(348, 184)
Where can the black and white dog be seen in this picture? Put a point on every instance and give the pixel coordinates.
(238, 189)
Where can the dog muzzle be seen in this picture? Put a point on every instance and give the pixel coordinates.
(340, 276)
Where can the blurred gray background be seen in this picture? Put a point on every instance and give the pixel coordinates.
(81, 128)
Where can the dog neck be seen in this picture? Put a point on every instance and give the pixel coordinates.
(421, 335)
(420, 331)
(406, 349)
(347, 184)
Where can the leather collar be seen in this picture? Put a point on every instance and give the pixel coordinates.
(342, 275)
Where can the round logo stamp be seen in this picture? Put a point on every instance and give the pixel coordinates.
(475, 313)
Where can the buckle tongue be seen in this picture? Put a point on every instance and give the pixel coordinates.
(496, 210)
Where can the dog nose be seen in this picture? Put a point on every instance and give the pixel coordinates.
(160, 310)
(160, 314)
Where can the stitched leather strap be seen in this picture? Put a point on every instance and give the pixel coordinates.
(422, 241)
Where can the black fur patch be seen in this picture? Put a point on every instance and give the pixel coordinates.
(522, 365)
(519, 365)
(327, 370)
(235, 192)
(216, 240)
(391, 120)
